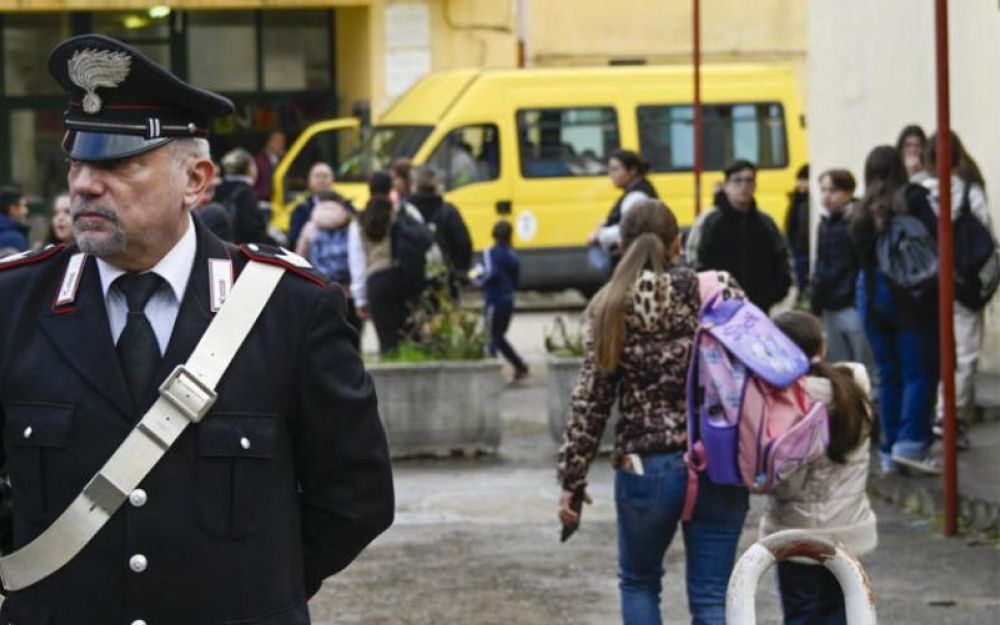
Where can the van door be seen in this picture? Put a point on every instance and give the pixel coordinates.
(328, 141)
(476, 180)
(562, 192)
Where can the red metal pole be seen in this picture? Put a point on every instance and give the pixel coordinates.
(696, 34)
(946, 266)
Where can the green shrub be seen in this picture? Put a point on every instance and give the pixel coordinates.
(560, 341)
(442, 330)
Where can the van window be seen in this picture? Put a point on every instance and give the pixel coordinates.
(466, 155)
(555, 143)
(754, 131)
(380, 149)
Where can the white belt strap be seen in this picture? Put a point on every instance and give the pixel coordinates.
(185, 397)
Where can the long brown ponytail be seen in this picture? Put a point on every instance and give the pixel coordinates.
(648, 230)
(851, 419)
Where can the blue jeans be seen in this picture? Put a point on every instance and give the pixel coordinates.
(649, 509)
(810, 595)
(906, 356)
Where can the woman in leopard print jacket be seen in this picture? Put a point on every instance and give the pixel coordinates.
(642, 326)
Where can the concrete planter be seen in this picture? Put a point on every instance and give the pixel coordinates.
(439, 407)
(563, 372)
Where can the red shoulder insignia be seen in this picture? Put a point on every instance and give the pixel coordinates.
(282, 258)
(30, 257)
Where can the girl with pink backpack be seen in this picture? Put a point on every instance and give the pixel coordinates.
(826, 497)
(639, 343)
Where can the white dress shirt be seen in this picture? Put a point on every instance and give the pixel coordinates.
(162, 308)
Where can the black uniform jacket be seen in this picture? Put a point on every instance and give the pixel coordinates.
(231, 532)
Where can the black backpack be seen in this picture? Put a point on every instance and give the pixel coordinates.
(977, 263)
(907, 255)
(411, 243)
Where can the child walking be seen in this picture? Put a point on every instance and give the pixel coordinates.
(826, 497)
(501, 273)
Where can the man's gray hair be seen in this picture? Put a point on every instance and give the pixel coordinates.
(237, 162)
(186, 147)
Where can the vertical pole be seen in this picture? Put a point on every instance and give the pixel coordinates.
(696, 36)
(946, 264)
(522, 32)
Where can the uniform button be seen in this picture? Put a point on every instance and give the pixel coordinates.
(27, 432)
(138, 621)
(245, 443)
(253, 247)
(137, 498)
(137, 563)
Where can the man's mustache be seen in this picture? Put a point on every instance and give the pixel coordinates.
(80, 206)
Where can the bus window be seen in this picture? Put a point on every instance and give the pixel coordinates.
(556, 143)
(752, 131)
(466, 155)
(380, 149)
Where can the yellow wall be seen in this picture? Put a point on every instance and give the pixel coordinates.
(464, 33)
(483, 33)
(352, 55)
(657, 31)
(111, 5)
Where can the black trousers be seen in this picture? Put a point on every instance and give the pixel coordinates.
(498, 316)
(388, 307)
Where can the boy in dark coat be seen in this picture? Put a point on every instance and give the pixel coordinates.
(501, 273)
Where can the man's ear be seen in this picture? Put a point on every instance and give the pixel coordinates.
(199, 172)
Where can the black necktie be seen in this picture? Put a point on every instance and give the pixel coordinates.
(138, 351)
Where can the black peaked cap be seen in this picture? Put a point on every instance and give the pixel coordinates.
(122, 103)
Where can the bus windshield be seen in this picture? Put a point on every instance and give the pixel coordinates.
(380, 149)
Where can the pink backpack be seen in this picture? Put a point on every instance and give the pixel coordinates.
(749, 419)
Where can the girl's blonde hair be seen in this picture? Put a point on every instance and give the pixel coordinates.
(648, 231)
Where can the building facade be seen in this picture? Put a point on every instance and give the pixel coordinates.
(872, 71)
(287, 63)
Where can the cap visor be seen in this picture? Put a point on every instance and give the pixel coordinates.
(82, 145)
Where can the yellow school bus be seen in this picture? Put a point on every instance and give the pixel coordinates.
(531, 147)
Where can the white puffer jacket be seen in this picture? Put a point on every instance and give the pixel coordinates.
(825, 497)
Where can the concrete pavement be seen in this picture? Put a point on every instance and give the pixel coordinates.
(476, 542)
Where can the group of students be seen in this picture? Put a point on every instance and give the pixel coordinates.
(369, 252)
(387, 255)
(639, 345)
(869, 318)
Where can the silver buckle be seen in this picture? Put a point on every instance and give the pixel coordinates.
(192, 397)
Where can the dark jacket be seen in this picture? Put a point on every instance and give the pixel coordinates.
(13, 235)
(797, 222)
(615, 214)
(449, 229)
(750, 247)
(236, 194)
(503, 273)
(300, 217)
(836, 269)
(230, 534)
(217, 219)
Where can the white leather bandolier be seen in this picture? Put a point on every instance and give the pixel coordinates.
(185, 397)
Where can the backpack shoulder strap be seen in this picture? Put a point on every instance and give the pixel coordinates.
(185, 397)
(965, 207)
(709, 288)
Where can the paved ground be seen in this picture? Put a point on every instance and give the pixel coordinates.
(475, 542)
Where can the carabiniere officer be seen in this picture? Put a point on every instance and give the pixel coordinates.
(280, 484)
